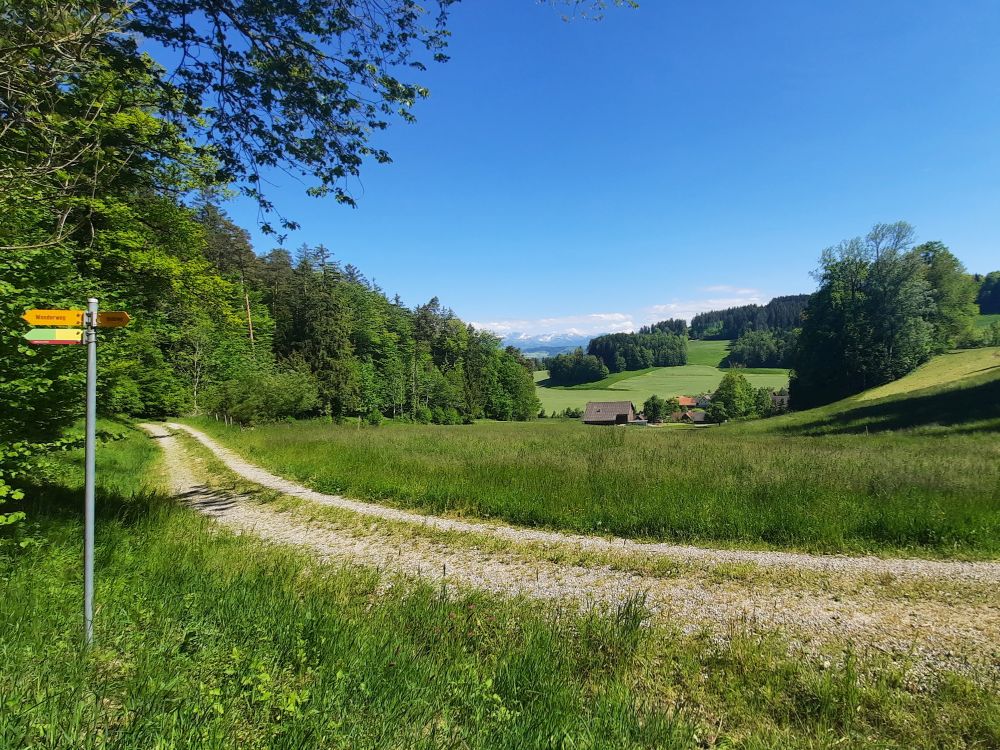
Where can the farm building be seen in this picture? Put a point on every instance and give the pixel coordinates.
(694, 417)
(686, 402)
(779, 400)
(609, 412)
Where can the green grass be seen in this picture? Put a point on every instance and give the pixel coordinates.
(985, 321)
(885, 493)
(709, 353)
(541, 378)
(205, 639)
(955, 393)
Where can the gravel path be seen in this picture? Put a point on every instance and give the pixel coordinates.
(928, 634)
(980, 572)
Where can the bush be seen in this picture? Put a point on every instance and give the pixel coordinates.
(654, 409)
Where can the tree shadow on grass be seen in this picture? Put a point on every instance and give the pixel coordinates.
(44, 501)
(972, 409)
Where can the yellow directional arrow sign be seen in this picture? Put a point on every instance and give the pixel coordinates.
(112, 319)
(54, 317)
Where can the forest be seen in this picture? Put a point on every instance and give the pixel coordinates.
(650, 347)
(780, 314)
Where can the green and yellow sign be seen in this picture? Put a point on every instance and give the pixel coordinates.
(55, 336)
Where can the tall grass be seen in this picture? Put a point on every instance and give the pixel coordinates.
(208, 640)
(891, 493)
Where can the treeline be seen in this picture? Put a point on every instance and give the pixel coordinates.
(780, 314)
(763, 348)
(373, 357)
(651, 347)
(573, 368)
(218, 330)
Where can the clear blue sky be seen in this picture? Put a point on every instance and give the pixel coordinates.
(671, 159)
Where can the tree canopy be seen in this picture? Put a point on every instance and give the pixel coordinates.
(653, 346)
(780, 314)
(988, 297)
(881, 309)
(573, 368)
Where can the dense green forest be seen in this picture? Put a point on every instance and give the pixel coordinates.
(763, 347)
(573, 368)
(780, 314)
(650, 347)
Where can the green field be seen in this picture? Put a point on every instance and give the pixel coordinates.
(710, 353)
(661, 381)
(206, 639)
(932, 489)
(985, 321)
(701, 374)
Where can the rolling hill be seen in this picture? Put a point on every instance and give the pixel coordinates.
(701, 374)
(957, 392)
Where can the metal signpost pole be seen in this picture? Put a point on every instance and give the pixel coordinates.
(90, 339)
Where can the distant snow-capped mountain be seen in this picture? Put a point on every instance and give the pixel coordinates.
(525, 341)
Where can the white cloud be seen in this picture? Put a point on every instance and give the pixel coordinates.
(587, 324)
(591, 324)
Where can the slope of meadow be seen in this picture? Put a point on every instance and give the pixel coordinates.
(957, 392)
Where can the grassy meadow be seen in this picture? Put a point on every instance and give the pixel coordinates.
(701, 374)
(709, 353)
(954, 394)
(205, 640)
(985, 321)
(885, 493)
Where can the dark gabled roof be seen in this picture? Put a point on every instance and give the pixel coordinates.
(694, 416)
(607, 410)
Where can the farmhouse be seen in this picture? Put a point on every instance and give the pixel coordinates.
(609, 412)
(694, 417)
(686, 402)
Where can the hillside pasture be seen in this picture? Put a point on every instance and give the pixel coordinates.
(710, 353)
(957, 392)
(661, 381)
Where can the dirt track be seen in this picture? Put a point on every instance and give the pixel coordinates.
(842, 606)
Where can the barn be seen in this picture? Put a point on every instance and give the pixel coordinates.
(609, 412)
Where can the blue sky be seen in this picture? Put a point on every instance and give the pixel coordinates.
(594, 176)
